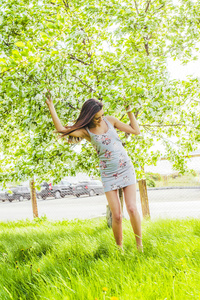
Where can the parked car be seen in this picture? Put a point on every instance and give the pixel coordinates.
(18, 193)
(3, 196)
(62, 189)
(56, 191)
(46, 191)
(91, 188)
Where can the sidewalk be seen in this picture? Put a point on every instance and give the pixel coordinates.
(90, 207)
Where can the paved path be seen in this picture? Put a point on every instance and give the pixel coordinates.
(163, 204)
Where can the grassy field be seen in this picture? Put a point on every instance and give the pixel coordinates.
(43, 259)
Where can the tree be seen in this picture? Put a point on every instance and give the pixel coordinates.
(98, 49)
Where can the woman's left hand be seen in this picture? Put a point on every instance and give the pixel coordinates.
(49, 100)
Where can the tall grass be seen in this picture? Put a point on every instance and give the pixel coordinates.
(188, 179)
(42, 259)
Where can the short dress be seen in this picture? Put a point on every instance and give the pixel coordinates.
(115, 165)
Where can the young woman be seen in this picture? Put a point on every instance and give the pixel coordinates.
(116, 168)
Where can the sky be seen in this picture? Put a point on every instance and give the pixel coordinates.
(179, 71)
(164, 167)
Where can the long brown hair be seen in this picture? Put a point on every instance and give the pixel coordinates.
(88, 111)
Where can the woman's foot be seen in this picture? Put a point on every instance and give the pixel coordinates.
(120, 249)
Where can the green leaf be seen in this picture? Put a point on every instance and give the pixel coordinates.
(20, 44)
(2, 60)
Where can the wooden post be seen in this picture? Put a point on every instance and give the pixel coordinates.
(144, 198)
(108, 210)
(165, 180)
(33, 198)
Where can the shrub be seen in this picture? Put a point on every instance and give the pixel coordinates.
(151, 182)
(154, 176)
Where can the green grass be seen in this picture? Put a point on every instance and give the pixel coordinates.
(43, 259)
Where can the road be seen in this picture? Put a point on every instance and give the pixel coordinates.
(163, 204)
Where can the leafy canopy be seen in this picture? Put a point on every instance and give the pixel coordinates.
(100, 49)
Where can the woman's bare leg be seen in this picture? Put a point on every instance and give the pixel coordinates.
(115, 206)
(130, 200)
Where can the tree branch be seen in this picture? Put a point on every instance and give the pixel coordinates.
(13, 68)
(104, 71)
(66, 4)
(157, 10)
(70, 105)
(162, 125)
(166, 125)
(146, 45)
(136, 7)
(49, 21)
(160, 137)
(7, 44)
(78, 59)
(91, 89)
(147, 7)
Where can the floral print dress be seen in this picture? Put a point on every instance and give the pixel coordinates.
(116, 168)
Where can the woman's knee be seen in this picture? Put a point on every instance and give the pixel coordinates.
(117, 217)
(132, 210)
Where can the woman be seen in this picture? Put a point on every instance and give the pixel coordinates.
(116, 167)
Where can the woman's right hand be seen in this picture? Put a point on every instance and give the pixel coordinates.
(49, 97)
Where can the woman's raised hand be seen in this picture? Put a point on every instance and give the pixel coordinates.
(126, 104)
(49, 97)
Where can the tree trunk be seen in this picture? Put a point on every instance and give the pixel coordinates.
(108, 210)
(109, 216)
(144, 198)
(33, 198)
(121, 200)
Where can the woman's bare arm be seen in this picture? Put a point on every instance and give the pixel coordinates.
(82, 133)
(133, 128)
(54, 115)
(134, 123)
